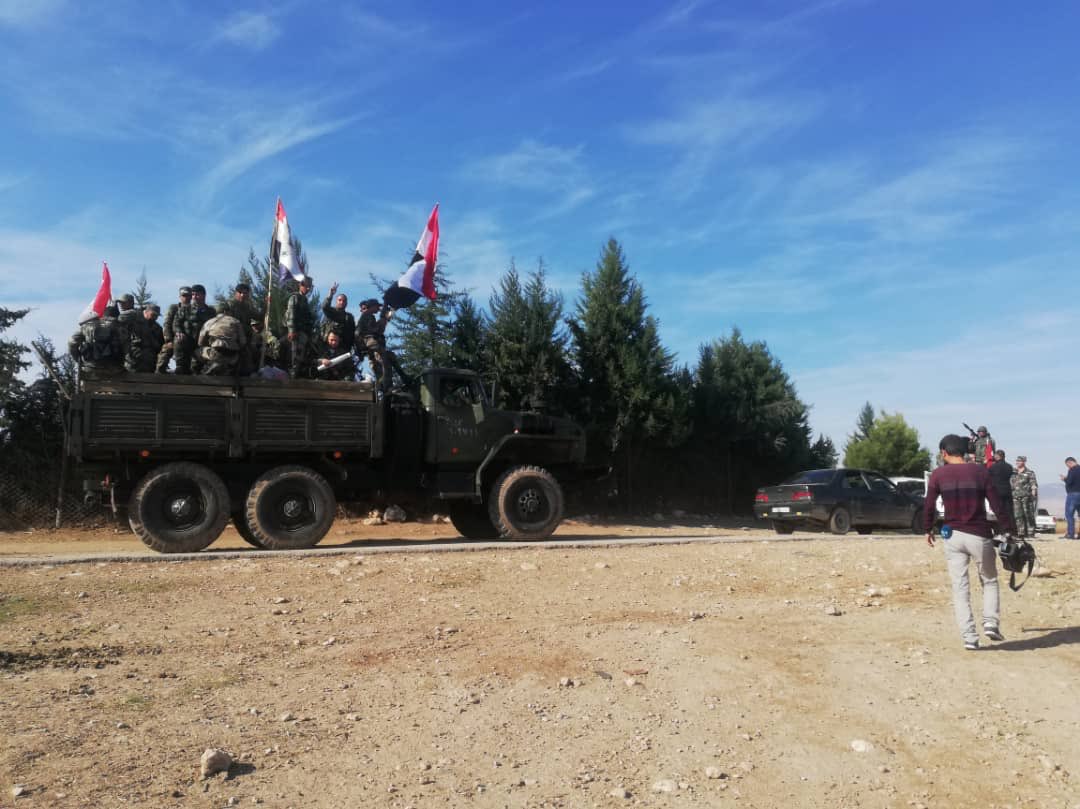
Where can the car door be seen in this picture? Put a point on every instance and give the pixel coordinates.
(855, 493)
(887, 504)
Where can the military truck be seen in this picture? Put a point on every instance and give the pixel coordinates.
(184, 455)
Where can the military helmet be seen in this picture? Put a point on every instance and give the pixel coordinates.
(1022, 458)
(185, 290)
(126, 298)
(982, 429)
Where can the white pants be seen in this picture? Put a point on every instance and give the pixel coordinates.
(960, 549)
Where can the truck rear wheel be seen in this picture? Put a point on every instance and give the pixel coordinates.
(290, 507)
(472, 520)
(526, 502)
(179, 508)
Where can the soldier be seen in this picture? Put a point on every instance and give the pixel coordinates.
(168, 332)
(331, 348)
(99, 345)
(240, 307)
(221, 344)
(298, 327)
(145, 341)
(187, 323)
(130, 319)
(371, 337)
(1025, 490)
(338, 319)
(982, 446)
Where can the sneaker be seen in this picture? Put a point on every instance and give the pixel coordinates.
(993, 633)
(972, 645)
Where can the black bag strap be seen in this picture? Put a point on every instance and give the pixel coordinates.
(1012, 576)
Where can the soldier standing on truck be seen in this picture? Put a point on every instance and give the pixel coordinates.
(187, 323)
(168, 330)
(99, 345)
(371, 336)
(240, 307)
(144, 341)
(339, 319)
(221, 344)
(298, 327)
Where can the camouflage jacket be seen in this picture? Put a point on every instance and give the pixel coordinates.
(144, 341)
(189, 321)
(100, 343)
(223, 333)
(242, 311)
(167, 325)
(978, 448)
(1024, 484)
(298, 317)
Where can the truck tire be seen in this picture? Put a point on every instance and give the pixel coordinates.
(179, 508)
(526, 502)
(840, 521)
(290, 507)
(472, 521)
(239, 522)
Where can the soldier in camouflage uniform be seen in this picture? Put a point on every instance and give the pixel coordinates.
(1025, 489)
(168, 332)
(187, 324)
(298, 327)
(100, 344)
(145, 340)
(979, 445)
(338, 319)
(240, 307)
(222, 343)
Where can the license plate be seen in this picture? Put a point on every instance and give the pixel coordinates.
(781, 510)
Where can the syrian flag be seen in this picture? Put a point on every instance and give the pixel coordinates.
(419, 279)
(281, 252)
(96, 308)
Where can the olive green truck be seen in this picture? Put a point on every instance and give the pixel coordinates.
(184, 455)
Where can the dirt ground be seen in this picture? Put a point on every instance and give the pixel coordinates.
(818, 673)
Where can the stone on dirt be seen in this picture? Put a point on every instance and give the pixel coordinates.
(394, 514)
(861, 746)
(620, 792)
(664, 785)
(214, 760)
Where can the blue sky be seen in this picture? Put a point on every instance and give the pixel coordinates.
(885, 193)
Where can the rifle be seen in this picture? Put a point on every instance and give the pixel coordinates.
(967, 426)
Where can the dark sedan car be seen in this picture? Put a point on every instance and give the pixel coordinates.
(838, 499)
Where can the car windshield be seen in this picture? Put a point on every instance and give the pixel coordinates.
(1043, 512)
(813, 476)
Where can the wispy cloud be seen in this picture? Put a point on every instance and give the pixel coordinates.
(555, 171)
(252, 30)
(29, 13)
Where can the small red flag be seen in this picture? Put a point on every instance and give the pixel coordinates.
(101, 300)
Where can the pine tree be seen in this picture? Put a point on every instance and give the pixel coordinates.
(823, 454)
(627, 393)
(141, 293)
(528, 351)
(423, 333)
(11, 362)
(468, 335)
(263, 287)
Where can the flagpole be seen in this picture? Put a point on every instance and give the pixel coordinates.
(269, 289)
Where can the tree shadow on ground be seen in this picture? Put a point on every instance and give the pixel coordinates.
(1055, 636)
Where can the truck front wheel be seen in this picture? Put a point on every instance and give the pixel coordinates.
(179, 508)
(472, 520)
(526, 502)
(290, 507)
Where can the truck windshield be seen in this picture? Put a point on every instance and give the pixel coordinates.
(455, 392)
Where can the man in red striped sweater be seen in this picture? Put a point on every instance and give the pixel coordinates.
(964, 490)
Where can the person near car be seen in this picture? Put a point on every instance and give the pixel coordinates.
(1025, 488)
(1072, 496)
(1001, 472)
(964, 489)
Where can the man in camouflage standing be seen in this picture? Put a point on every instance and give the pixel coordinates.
(299, 325)
(168, 332)
(982, 446)
(1025, 489)
(145, 341)
(240, 307)
(187, 324)
(100, 345)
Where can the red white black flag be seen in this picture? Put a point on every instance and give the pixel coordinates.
(419, 279)
(281, 252)
(96, 307)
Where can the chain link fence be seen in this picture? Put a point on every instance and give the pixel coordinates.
(30, 502)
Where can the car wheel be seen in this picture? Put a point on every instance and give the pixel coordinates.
(783, 527)
(526, 502)
(472, 521)
(840, 521)
(290, 507)
(179, 508)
